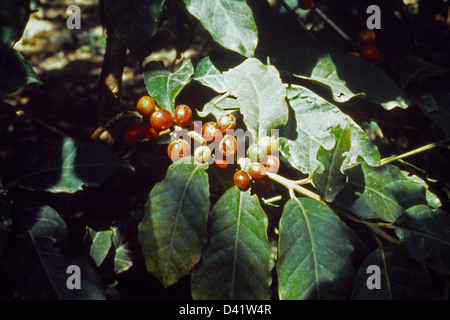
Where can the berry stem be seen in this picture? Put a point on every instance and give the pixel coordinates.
(292, 186)
(413, 152)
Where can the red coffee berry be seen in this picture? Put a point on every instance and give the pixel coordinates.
(133, 133)
(178, 149)
(228, 145)
(182, 115)
(242, 179)
(146, 106)
(271, 163)
(161, 119)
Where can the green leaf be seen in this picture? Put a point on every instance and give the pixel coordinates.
(260, 95)
(208, 75)
(172, 232)
(330, 180)
(65, 166)
(134, 22)
(314, 253)
(14, 15)
(237, 262)
(126, 245)
(315, 117)
(230, 23)
(5, 222)
(401, 278)
(225, 105)
(101, 244)
(164, 86)
(345, 75)
(380, 192)
(15, 73)
(425, 232)
(35, 261)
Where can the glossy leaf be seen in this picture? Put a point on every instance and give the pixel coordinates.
(329, 180)
(380, 192)
(101, 244)
(237, 262)
(260, 95)
(345, 75)
(425, 232)
(164, 85)
(66, 165)
(134, 22)
(35, 261)
(230, 23)
(208, 75)
(314, 253)
(172, 232)
(315, 116)
(400, 277)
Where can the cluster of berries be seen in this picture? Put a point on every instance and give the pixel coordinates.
(156, 119)
(259, 159)
(367, 51)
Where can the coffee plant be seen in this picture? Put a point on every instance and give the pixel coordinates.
(268, 164)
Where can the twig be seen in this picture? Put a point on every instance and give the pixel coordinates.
(413, 152)
(333, 25)
(292, 12)
(21, 112)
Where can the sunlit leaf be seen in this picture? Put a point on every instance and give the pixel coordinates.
(315, 118)
(230, 23)
(164, 85)
(260, 95)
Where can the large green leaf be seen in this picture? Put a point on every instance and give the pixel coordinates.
(380, 192)
(315, 118)
(400, 277)
(208, 75)
(345, 75)
(134, 22)
(5, 221)
(425, 232)
(237, 262)
(329, 180)
(230, 23)
(65, 166)
(172, 232)
(164, 85)
(260, 94)
(314, 254)
(35, 261)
